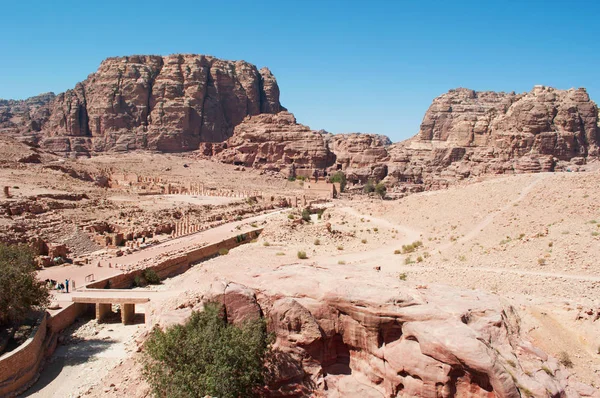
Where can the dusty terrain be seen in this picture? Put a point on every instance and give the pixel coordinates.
(527, 242)
(489, 236)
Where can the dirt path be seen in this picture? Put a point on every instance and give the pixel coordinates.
(478, 228)
(94, 350)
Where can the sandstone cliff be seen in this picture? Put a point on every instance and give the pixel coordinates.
(464, 133)
(168, 104)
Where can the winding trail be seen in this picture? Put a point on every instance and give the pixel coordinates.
(410, 234)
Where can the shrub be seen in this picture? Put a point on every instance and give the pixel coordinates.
(397, 251)
(306, 214)
(363, 241)
(403, 276)
(408, 260)
(241, 238)
(340, 247)
(302, 255)
(223, 251)
(291, 216)
(291, 178)
(369, 187)
(541, 261)
(380, 189)
(548, 371)
(565, 359)
(254, 225)
(550, 244)
(341, 178)
(419, 259)
(20, 291)
(139, 281)
(280, 254)
(317, 242)
(151, 276)
(266, 244)
(341, 262)
(207, 356)
(375, 229)
(462, 257)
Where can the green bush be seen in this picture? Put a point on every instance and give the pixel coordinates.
(223, 251)
(20, 291)
(380, 189)
(302, 255)
(369, 187)
(207, 356)
(341, 178)
(151, 276)
(306, 214)
(139, 281)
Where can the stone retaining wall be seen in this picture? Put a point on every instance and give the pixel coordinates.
(176, 264)
(19, 368)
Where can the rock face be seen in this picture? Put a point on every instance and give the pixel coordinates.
(276, 142)
(371, 341)
(168, 104)
(464, 133)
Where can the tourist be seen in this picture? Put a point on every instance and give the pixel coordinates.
(67, 285)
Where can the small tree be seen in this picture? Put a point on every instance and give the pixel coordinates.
(207, 356)
(341, 178)
(369, 187)
(380, 189)
(20, 291)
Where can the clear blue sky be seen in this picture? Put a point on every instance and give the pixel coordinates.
(343, 66)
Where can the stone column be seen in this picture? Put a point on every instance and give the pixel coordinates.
(127, 313)
(102, 310)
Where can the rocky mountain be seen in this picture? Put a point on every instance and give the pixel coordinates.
(169, 104)
(464, 133)
(231, 110)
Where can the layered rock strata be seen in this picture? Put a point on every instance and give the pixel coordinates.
(372, 341)
(169, 104)
(464, 133)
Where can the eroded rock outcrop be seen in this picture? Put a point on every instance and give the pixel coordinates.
(276, 142)
(169, 104)
(467, 133)
(363, 339)
(464, 133)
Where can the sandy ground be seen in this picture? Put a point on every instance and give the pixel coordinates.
(86, 356)
(533, 240)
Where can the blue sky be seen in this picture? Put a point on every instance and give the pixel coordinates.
(342, 66)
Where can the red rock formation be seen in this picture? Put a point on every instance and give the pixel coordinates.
(276, 142)
(400, 341)
(169, 104)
